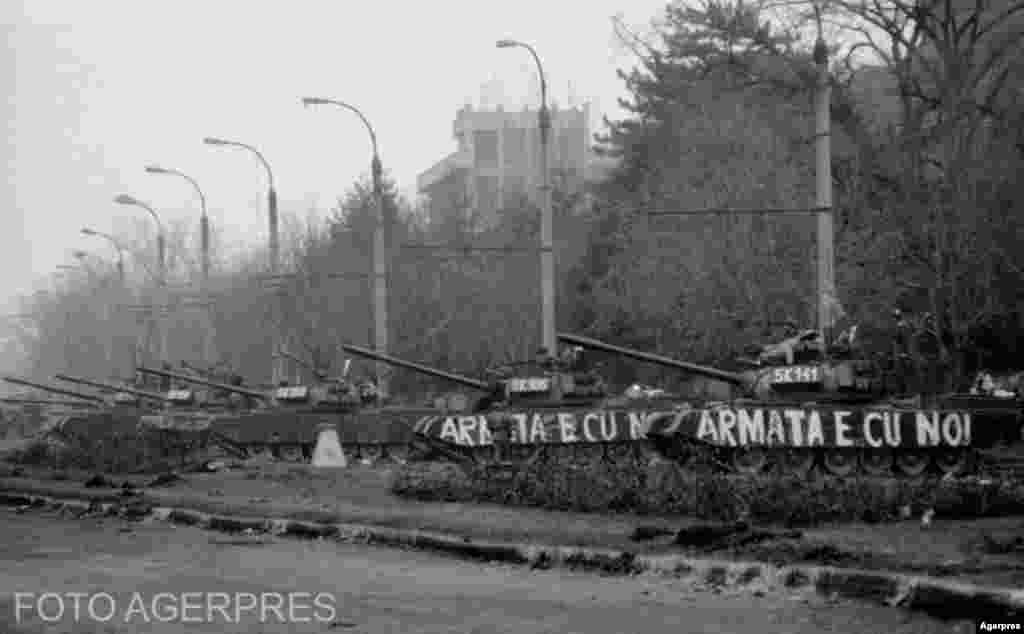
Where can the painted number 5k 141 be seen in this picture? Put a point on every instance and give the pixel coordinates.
(795, 374)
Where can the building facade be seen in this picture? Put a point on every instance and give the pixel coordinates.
(496, 163)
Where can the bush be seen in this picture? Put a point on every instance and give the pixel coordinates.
(665, 490)
(144, 451)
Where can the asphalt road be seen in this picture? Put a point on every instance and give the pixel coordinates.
(370, 590)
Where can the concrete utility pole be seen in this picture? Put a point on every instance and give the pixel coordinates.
(547, 250)
(827, 299)
(380, 273)
(204, 247)
(161, 251)
(274, 245)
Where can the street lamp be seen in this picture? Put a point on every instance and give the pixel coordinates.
(117, 245)
(271, 197)
(125, 199)
(274, 244)
(204, 222)
(204, 247)
(380, 288)
(547, 252)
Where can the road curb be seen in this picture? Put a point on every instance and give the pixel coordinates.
(936, 597)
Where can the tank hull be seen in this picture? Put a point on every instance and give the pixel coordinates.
(752, 437)
(368, 435)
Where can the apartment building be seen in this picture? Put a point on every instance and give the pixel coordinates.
(495, 164)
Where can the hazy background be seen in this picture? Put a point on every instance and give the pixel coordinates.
(95, 91)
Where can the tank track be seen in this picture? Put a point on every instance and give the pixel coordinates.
(1003, 463)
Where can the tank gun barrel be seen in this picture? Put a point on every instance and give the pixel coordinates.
(721, 375)
(200, 371)
(416, 367)
(109, 386)
(54, 390)
(39, 401)
(197, 381)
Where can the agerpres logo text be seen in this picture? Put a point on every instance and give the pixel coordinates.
(999, 627)
(166, 607)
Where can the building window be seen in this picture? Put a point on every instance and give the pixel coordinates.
(485, 148)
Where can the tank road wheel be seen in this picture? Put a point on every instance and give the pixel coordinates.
(749, 461)
(840, 463)
(796, 462)
(877, 462)
(371, 454)
(951, 461)
(291, 453)
(912, 463)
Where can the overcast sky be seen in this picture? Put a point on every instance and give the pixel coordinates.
(96, 90)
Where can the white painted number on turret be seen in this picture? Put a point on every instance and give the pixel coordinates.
(179, 395)
(529, 385)
(294, 393)
(796, 374)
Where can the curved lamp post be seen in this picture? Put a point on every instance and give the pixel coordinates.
(120, 250)
(277, 370)
(271, 197)
(204, 221)
(120, 268)
(547, 252)
(380, 288)
(125, 199)
(204, 247)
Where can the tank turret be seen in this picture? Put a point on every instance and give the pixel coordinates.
(542, 382)
(233, 389)
(795, 370)
(332, 395)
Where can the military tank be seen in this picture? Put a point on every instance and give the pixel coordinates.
(96, 418)
(41, 416)
(559, 406)
(284, 421)
(802, 407)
